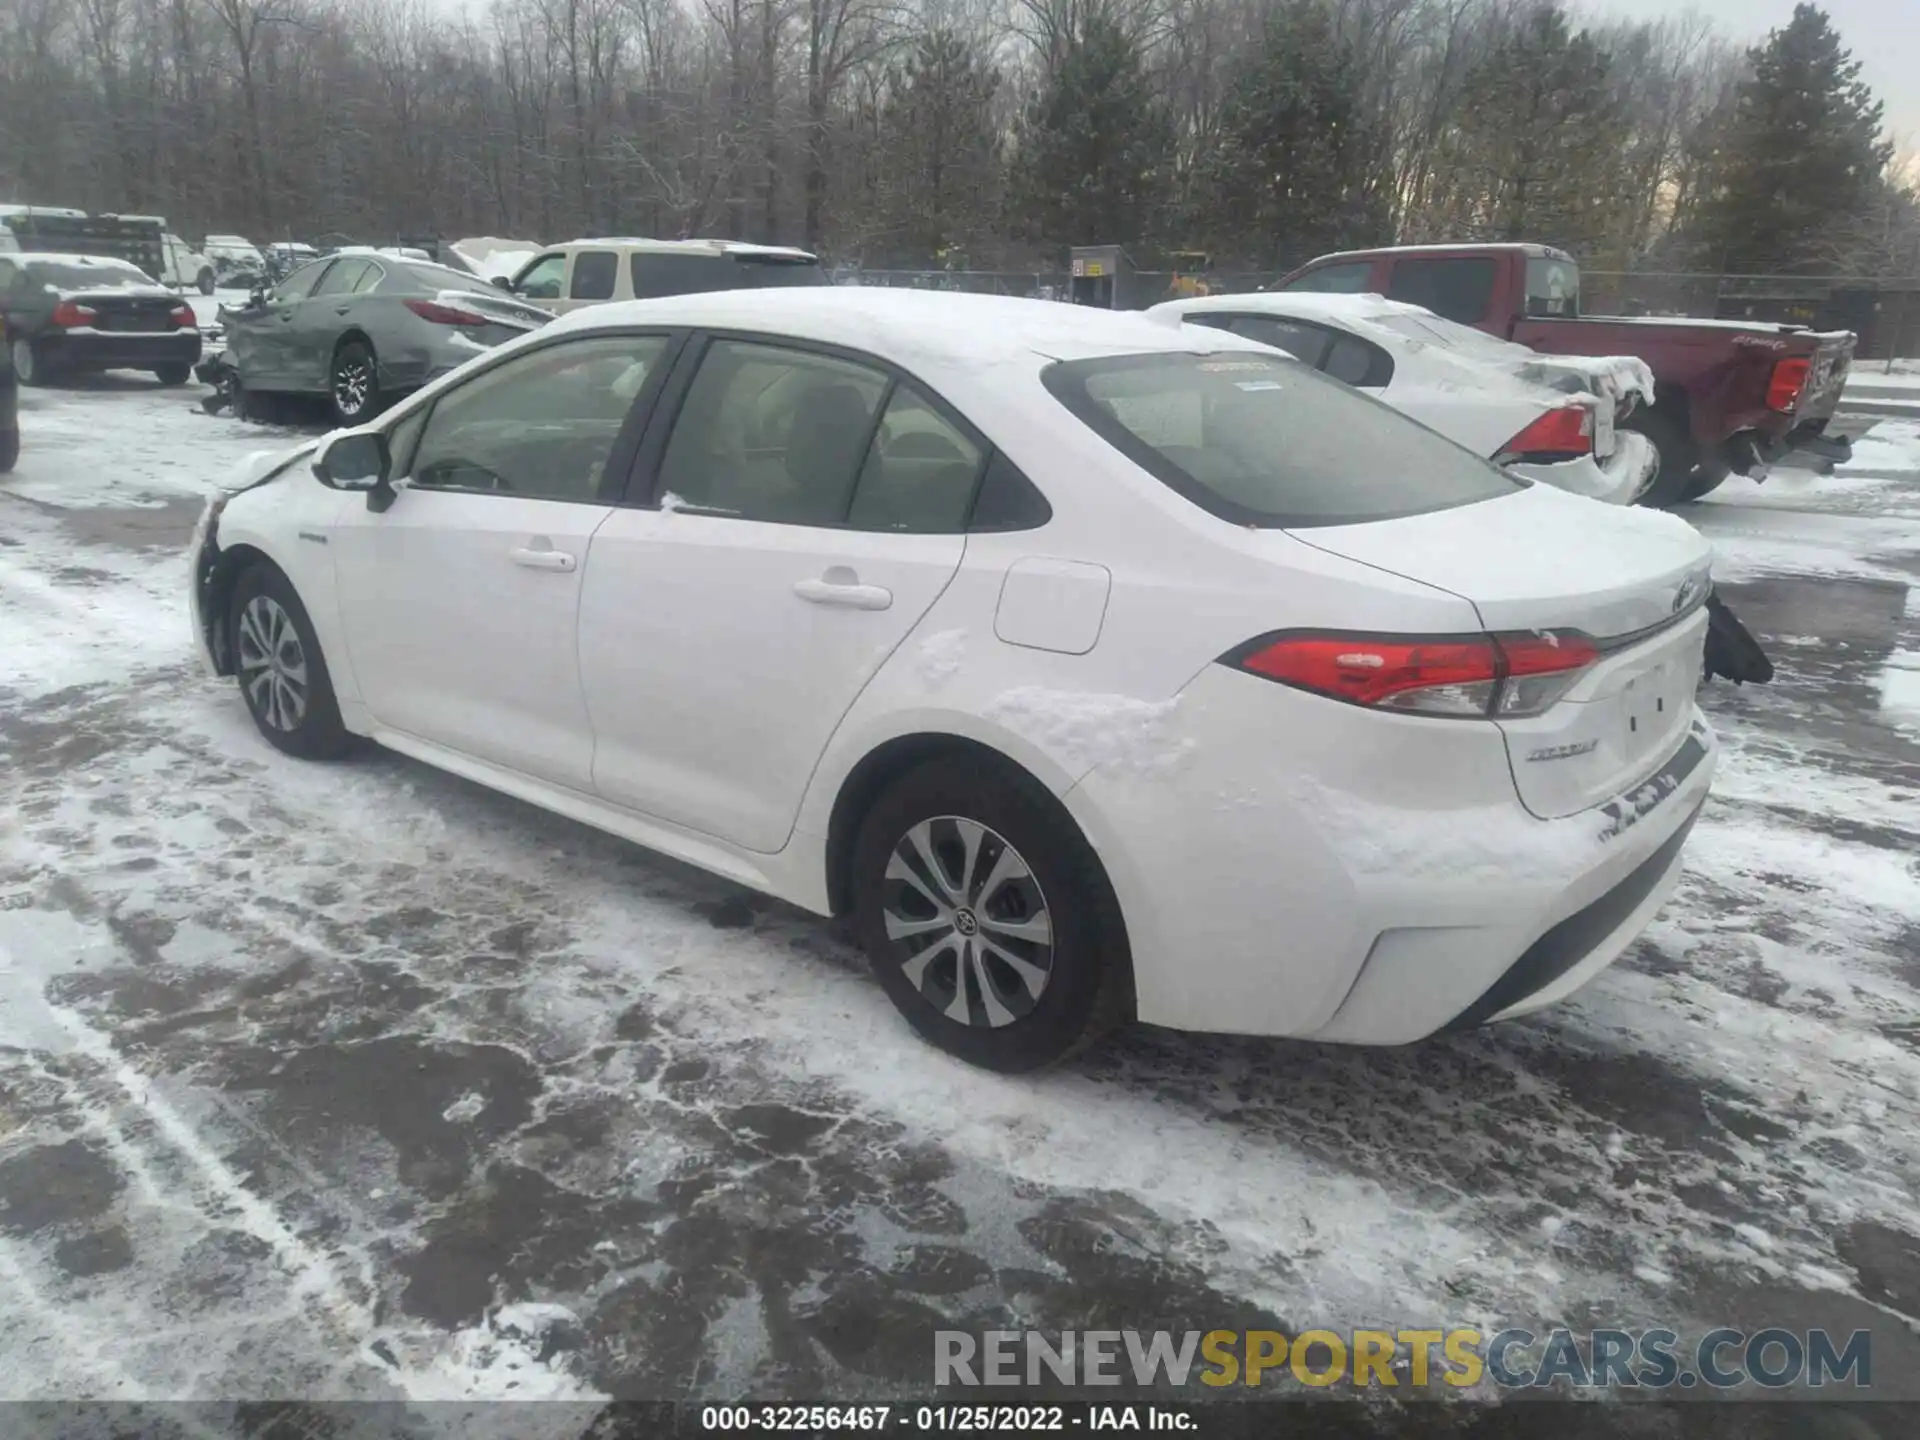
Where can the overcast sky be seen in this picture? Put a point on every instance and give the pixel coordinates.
(1884, 36)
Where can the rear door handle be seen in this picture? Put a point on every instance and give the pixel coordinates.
(341, 309)
(543, 559)
(840, 586)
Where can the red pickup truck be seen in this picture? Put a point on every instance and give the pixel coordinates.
(1731, 396)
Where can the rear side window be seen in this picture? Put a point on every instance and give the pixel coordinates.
(1346, 279)
(594, 275)
(1460, 290)
(1302, 341)
(920, 471)
(1266, 442)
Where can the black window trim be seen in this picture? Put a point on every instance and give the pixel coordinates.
(625, 445)
(643, 480)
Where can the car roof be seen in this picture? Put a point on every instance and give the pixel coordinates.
(935, 328)
(1469, 247)
(1302, 302)
(644, 245)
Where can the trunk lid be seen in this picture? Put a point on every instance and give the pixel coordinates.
(1633, 580)
(128, 310)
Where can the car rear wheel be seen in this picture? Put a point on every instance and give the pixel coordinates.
(354, 384)
(9, 450)
(1679, 457)
(173, 374)
(28, 364)
(987, 918)
(283, 676)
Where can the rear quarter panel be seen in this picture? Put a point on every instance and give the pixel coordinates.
(1722, 372)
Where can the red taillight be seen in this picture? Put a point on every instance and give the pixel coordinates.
(438, 314)
(1563, 433)
(184, 317)
(1458, 675)
(1789, 377)
(69, 313)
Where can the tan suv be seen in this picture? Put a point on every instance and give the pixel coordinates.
(594, 272)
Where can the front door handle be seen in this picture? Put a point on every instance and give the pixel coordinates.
(341, 309)
(543, 559)
(840, 586)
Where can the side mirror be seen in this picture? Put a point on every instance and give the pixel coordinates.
(357, 460)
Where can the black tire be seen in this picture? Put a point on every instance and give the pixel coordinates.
(1679, 456)
(1704, 482)
(353, 383)
(1084, 962)
(263, 602)
(173, 374)
(9, 450)
(203, 282)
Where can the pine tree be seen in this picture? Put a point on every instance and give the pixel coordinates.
(943, 151)
(1800, 160)
(1096, 146)
(1536, 145)
(1290, 173)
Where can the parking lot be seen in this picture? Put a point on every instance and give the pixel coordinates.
(359, 1081)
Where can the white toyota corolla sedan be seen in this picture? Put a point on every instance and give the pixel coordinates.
(1098, 666)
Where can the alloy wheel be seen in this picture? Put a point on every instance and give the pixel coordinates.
(968, 922)
(273, 666)
(25, 365)
(352, 386)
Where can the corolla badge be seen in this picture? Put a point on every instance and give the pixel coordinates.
(1692, 591)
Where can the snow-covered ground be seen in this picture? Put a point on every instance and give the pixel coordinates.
(357, 1080)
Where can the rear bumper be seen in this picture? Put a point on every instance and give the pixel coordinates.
(1369, 880)
(1620, 479)
(114, 350)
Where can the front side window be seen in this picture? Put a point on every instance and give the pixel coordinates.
(1460, 290)
(542, 425)
(1345, 279)
(1267, 442)
(542, 279)
(594, 274)
(768, 433)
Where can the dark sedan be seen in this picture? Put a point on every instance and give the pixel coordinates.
(362, 327)
(75, 314)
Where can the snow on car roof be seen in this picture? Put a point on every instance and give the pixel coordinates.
(698, 247)
(926, 326)
(1300, 302)
(62, 257)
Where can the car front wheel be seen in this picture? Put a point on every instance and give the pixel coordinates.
(283, 676)
(987, 917)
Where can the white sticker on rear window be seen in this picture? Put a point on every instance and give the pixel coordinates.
(1258, 385)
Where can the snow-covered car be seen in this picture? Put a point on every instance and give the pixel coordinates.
(184, 266)
(1096, 666)
(362, 327)
(78, 314)
(237, 261)
(1551, 418)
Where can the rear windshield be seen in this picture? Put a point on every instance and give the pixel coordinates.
(1269, 443)
(656, 274)
(439, 277)
(106, 275)
(1553, 287)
